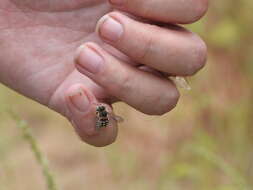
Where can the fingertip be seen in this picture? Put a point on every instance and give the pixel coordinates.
(100, 22)
(105, 137)
(82, 108)
(79, 102)
(109, 28)
(78, 98)
(78, 52)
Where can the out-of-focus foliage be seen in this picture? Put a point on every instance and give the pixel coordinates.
(204, 144)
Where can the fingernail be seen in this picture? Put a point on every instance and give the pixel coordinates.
(110, 29)
(116, 2)
(79, 99)
(90, 60)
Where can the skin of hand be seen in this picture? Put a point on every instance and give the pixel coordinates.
(127, 50)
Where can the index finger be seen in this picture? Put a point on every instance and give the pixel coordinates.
(168, 11)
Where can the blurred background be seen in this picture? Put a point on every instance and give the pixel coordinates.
(204, 144)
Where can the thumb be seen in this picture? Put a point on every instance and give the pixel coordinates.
(82, 104)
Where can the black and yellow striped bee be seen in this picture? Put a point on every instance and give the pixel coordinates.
(103, 117)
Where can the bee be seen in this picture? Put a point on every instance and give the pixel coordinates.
(103, 117)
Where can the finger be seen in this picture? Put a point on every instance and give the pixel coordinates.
(169, 11)
(82, 108)
(175, 51)
(142, 90)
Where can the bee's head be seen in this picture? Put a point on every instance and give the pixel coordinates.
(100, 108)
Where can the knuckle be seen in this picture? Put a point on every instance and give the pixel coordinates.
(119, 82)
(125, 83)
(199, 57)
(148, 44)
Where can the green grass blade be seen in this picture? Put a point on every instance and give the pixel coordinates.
(41, 159)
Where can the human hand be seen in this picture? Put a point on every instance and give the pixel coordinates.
(39, 38)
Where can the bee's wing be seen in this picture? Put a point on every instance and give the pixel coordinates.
(113, 116)
(181, 82)
(116, 118)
